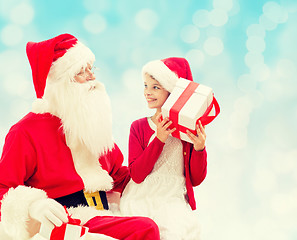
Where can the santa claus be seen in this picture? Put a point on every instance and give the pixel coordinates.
(63, 154)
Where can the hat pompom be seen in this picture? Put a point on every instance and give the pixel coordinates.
(40, 105)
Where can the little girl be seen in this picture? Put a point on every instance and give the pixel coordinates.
(164, 169)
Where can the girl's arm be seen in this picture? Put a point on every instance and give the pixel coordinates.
(198, 166)
(142, 158)
(197, 162)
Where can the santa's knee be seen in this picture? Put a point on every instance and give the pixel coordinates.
(150, 228)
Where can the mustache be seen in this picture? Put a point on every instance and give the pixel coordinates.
(91, 85)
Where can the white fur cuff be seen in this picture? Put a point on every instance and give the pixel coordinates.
(14, 210)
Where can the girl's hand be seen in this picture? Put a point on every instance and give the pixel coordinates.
(163, 130)
(199, 139)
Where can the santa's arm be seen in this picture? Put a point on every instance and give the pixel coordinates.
(117, 171)
(16, 165)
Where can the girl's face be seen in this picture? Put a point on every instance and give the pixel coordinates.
(154, 93)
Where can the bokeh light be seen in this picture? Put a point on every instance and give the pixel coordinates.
(225, 5)
(218, 17)
(95, 23)
(146, 19)
(190, 34)
(22, 14)
(201, 18)
(274, 12)
(213, 46)
(11, 35)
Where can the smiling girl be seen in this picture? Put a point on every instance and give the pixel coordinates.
(164, 169)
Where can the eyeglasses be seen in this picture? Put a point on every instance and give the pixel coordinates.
(87, 72)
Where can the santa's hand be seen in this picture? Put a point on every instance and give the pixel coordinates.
(49, 212)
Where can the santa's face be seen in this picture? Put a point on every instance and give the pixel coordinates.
(85, 74)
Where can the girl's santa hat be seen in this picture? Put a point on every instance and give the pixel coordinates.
(55, 57)
(167, 71)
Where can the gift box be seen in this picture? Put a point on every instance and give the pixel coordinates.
(67, 231)
(188, 103)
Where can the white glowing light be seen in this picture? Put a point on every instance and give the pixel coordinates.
(190, 34)
(218, 17)
(235, 9)
(238, 121)
(96, 6)
(264, 181)
(289, 5)
(213, 46)
(273, 91)
(223, 4)
(16, 84)
(253, 59)
(196, 58)
(147, 19)
(201, 18)
(289, 163)
(267, 23)
(256, 98)
(11, 35)
(246, 83)
(255, 30)
(261, 72)
(243, 106)
(94, 23)
(217, 32)
(286, 68)
(284, 203)
(22, 14)
(237, 138)
(133, 80)
(255, 44)
(274, 12)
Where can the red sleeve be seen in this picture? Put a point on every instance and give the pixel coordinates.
(198, 166)
(17, 162)
(142, 158)
(119, 173)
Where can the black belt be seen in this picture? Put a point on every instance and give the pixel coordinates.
(95, 199)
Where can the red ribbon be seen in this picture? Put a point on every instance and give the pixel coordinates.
(181, 101)
(72, 220)
(178, 105)
(58, 232)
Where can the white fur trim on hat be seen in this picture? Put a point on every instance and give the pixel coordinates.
(14, 210)
(71, 62)
(161, 73)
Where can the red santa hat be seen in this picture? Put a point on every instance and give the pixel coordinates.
(167, 71)
(63, 54)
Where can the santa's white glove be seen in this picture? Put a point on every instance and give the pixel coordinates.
(49, 212)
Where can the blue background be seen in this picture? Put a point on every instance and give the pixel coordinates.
(245, 50)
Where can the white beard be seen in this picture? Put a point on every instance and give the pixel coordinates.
(85, 111)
